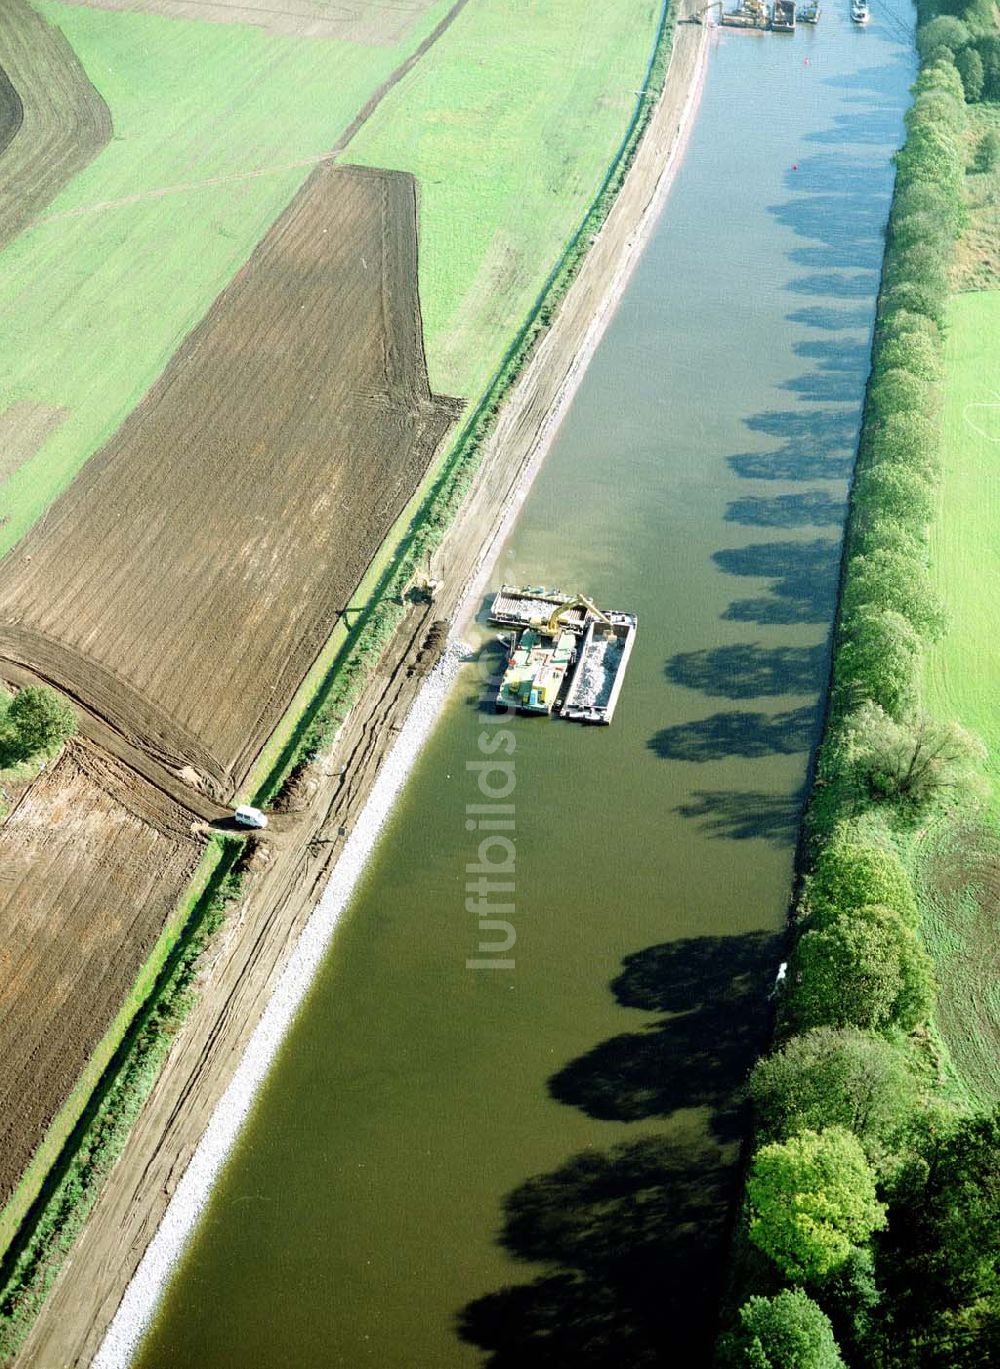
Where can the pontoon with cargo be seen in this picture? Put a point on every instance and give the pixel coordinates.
(569, 657)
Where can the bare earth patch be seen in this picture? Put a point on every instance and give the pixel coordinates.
(92, 862)
(23, 428)
(977, 256)
(960, 878)
(357, 21)
(184, 584)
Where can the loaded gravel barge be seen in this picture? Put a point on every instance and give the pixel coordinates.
(569, 656)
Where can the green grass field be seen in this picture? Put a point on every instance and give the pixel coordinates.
(963, 669)
(509, 123)
(957, 866)
(92, 306)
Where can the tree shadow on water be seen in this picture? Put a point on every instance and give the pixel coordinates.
(836, 284)
(713, 988)
(811, 508)
(830, 426)
(803, 576)
(836, 220)
(879, 81)
(836, 354)
(748, 670)
(825, 387)
(631, 1239)
(835, 175)
(795, 461)
(818, 444)
(828, 258)
(752, 735)
(874, 127)
(747, 815)
(829, 318)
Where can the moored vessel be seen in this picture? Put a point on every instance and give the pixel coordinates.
(569, 656)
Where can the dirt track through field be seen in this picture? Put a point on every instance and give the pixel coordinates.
(363, 115)
(186, 581)
(61, 121)
(92, 862)
(278, 901)
(379, 23)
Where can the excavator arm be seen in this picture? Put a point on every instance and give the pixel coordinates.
(581, 601)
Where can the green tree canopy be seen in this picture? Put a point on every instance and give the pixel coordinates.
(924, 262)
(910, 440)
(891, 490)
(812, 1199)
(881, 534)
(788, 1331)
(989, 50)
(893, 580)
(938, 78)
(853, 872)
(969, 65)
(877, 661)
(896, 391)
(39, 721)
(988, 151)
(940, 1257)
(917, 298)
(834, 1076)
(915, 351)
(923, 197)
(863, 969)
(921, 226)
(930, 153)
(945, 31)
(913, 762)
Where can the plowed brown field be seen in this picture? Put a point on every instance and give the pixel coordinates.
(92, 861)
(55, 119)
(11, 110)
(186, 581)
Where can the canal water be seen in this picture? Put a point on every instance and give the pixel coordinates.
(452, 1166)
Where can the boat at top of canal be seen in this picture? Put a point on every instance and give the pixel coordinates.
(860, 13)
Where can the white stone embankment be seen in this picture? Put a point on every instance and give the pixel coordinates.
(192, 1194)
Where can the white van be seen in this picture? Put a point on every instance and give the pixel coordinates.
(250, 817)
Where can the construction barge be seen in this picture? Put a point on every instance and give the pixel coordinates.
(779, 17)
(566, 655)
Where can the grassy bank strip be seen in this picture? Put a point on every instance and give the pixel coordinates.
(32, 1262)
(71, 1190)
(868, 1233)
(318, 718)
